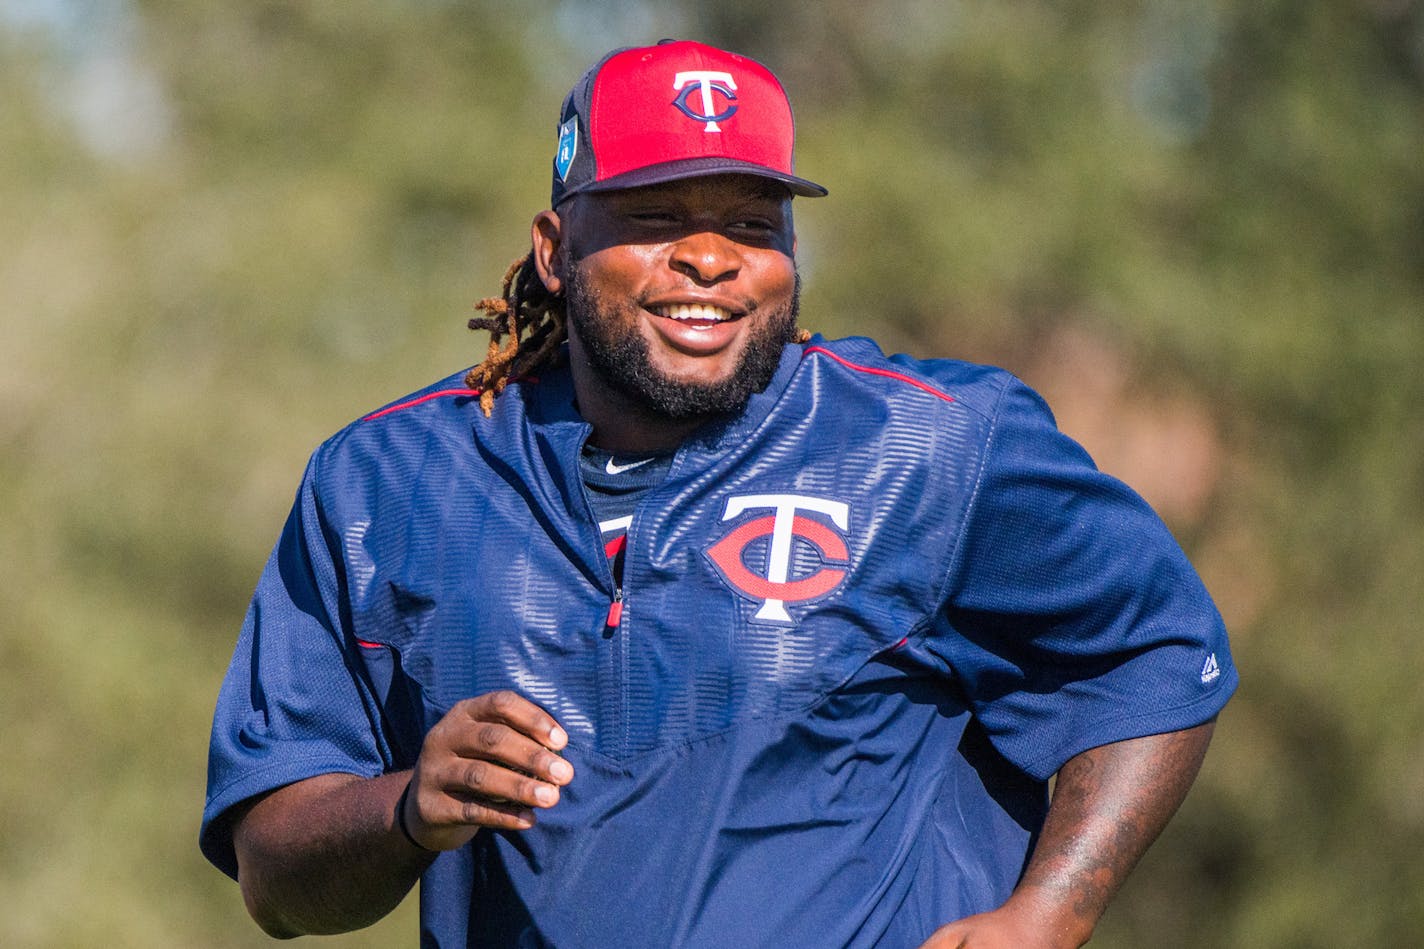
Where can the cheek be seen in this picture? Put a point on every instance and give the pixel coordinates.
(621, 270)
(777, 279)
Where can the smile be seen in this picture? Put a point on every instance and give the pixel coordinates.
(693, 313)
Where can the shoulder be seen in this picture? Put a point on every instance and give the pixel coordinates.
(400, 433)
(972, 387)
(442, 395)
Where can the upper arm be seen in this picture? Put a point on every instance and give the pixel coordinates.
(270, 821)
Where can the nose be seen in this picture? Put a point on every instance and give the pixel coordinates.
(707, 257)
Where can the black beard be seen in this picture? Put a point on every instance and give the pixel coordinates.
(620, 358)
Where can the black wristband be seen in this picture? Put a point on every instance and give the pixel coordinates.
(400, 819)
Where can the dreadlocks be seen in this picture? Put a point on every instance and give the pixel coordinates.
(529, 319)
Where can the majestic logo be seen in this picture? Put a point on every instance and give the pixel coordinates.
(568, 148)
(1211, 670)
(796, 542)
(708, 83)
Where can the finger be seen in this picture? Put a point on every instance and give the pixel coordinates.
(518, 713)
(452, 810)
(491, 741)
(500, 743)
(488, 781)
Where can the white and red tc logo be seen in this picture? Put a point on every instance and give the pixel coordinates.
(795, 539)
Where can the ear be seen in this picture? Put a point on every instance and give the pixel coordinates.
(547, 233)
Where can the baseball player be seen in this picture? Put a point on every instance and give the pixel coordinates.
(670, 624)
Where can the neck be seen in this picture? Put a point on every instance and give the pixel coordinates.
(622, 425)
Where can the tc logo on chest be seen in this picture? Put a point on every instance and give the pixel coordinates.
(758, 556)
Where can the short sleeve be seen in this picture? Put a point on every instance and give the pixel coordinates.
(1073, 618)
(292, 705)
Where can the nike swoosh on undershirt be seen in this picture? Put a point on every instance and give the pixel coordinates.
(615, 469)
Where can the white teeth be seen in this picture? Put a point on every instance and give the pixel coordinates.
(694, 311)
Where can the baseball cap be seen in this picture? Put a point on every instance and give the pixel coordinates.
(680, 109)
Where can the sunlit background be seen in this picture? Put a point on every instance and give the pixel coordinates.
(227, 228)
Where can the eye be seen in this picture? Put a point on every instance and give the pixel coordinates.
(757, 229)
(758, 219)
(755, 225)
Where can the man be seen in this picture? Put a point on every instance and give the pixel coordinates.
(778, 637)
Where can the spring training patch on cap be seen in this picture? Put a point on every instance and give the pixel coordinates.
(568, 148)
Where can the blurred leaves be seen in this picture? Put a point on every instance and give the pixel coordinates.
(226, 229)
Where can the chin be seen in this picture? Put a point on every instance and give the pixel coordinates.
(655, 377)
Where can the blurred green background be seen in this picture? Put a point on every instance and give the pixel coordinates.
(228, 228)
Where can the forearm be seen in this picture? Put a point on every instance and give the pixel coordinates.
(325, 856)
(1109, 804)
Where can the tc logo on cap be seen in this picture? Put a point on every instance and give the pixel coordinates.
(707, 82)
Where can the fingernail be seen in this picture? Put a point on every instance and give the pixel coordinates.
(558, 737)
(561, 770)
(546, 795)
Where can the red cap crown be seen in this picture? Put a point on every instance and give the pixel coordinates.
(651, 114)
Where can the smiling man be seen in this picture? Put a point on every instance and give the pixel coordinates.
(670, 624)
(680, 297)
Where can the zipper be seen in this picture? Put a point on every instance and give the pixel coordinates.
(615, 609)
(616, 557)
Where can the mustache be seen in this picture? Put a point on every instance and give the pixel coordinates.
(580, 292)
